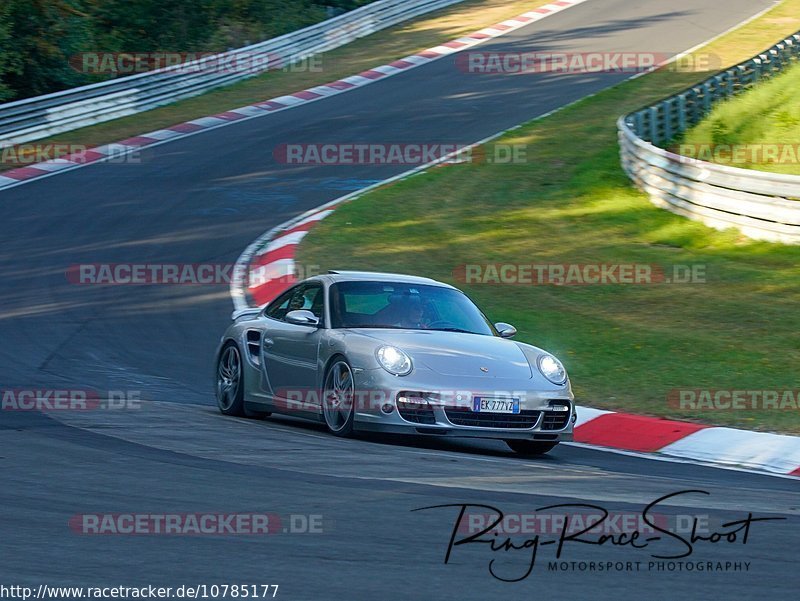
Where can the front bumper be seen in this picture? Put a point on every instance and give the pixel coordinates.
(447, 409)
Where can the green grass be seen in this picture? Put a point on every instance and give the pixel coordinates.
(763, 119)
(626, 346)
(377, 49)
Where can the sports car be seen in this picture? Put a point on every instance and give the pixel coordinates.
(362, 351)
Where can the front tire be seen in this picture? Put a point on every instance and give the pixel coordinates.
(338, 395)
(530, 447)
(230, 381)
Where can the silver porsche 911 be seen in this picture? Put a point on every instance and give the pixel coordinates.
(382, 352)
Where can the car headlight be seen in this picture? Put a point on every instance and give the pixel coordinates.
(552, 369)
(393, 360)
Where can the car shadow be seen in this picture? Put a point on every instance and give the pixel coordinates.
(471, 446)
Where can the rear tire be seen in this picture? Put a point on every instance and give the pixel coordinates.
(530, 447)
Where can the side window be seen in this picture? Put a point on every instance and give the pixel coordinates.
(278, 308)
(308, 297)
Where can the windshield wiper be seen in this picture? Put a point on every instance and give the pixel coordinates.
(452, 330)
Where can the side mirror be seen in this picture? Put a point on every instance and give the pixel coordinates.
(302, 317)
(506, 330)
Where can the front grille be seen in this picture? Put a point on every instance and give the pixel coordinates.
(555, 420)
(464, 416)
(419, 412)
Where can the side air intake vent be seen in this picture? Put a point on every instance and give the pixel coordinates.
(254, 346)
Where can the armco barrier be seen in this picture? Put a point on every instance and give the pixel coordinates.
(764, 206)
(34, 118)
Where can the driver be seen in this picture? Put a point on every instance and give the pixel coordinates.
(298, 302)
(412, 315)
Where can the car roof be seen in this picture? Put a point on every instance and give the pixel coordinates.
(351, 276)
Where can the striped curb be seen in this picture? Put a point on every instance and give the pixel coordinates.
(128, 146)
(774, 453)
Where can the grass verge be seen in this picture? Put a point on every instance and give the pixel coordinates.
(758, 130)
(374, 50)
(626, 346)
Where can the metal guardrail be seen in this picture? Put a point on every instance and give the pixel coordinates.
(34, 118)
(764, 206)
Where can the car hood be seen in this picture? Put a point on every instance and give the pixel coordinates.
(459, 354)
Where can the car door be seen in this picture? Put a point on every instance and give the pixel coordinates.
(291, 351)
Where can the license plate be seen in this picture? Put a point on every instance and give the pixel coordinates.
(489, 405)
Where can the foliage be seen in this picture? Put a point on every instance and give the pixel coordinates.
(39, 37)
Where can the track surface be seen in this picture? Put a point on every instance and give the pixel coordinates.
(204, 199)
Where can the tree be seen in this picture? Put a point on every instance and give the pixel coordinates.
(9, 62)
(41, 39)
(45, 33)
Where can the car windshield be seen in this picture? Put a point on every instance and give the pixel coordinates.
(405, 306)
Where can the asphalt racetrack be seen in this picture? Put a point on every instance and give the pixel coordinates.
(203, 200)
